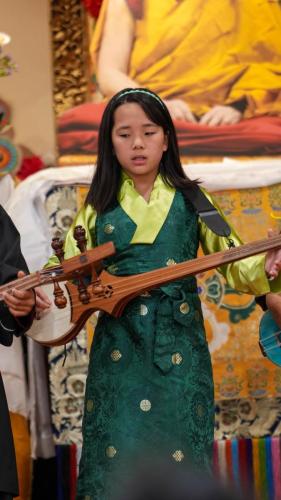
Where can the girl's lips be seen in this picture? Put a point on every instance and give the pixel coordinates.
(139, 160)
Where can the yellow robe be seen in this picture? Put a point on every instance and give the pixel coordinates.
(207, 53)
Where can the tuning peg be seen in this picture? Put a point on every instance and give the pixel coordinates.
(57, 246)
(83, 293)
(60, 299)
(79, 235)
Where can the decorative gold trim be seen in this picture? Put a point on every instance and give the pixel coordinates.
(176, 358)
(116, 355)
(71, 68)
(145, 405)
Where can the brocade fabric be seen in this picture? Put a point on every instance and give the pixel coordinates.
(150, 388)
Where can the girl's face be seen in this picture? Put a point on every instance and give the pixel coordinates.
(138, 142)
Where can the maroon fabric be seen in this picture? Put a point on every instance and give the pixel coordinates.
(84, 116)
(93, 7)
(136, 7)
(78, 133)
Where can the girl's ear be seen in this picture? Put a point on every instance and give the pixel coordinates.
(166, 142)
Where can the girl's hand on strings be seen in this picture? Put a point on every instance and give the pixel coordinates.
(273, 302)
(273, 259)
(19, 302)
(43, 302)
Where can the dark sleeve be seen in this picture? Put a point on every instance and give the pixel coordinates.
(9, 325)
(11, 258)
(11, 261)
(240, 105)
(136, 8)
(261, 301)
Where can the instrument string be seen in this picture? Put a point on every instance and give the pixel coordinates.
(134, 284)
(272, 336)
(128, 284)
(30, 280)
(276, 346)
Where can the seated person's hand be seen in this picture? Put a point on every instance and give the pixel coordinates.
(221, 115)
(19, 302)
(179, 110)
(273, 259)
(273, 302)
(43, 302)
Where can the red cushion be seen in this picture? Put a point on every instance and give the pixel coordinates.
(78, 133)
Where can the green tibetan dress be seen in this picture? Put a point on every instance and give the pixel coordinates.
(150, 384)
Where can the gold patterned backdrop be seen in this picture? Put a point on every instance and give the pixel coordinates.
(232, 319)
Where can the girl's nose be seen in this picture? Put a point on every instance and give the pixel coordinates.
(138, 143)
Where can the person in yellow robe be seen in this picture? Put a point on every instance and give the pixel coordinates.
(212, 62)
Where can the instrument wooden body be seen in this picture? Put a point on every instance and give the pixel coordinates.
(112, 293)
(270, 338)
(56, 320)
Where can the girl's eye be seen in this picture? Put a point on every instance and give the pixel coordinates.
(150, 133)
(123, 135)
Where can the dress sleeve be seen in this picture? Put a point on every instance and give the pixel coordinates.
(247, 275)
(86, 217)
(11, 261)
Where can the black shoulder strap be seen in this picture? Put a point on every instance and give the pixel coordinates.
(206, 211)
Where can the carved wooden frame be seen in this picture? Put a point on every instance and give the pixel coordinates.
(71, 62)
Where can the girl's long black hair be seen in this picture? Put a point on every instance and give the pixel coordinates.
(106, 180)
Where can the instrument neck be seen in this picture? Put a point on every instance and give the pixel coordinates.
(24, 283)
(164, 275)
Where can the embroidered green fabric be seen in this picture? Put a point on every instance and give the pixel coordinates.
(149, 387)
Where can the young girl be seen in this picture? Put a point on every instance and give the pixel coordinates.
(150, 385)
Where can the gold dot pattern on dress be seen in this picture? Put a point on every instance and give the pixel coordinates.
(143, 310)
(116, 355)
(87, 497)
(200, 411)
(197, 315)
(90, 405)
(176, 358)
(178, 456)
(170, 262)
(108, 229)
(184, 308)
(145, 405)
(110, 451)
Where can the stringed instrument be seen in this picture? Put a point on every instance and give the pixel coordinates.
(109, 293)
(75, 268)
(270, 338)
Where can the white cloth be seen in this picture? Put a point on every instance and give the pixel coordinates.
(27, 209)
(13, 374)
(236, 174)
(7, 186)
